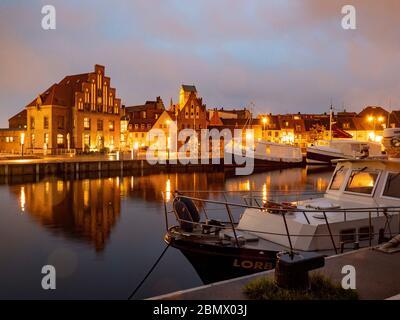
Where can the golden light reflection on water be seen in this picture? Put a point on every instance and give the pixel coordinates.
(22, 199)
(60, 185)
(168, 190)
(89, 208)
(264, 193)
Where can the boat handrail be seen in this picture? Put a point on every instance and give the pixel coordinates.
(385, 211)
(273, 233)
(327, 210)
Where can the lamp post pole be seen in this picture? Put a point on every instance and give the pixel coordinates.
(22, 140)
(168, 122)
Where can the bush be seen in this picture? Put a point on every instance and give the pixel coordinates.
(321, 288)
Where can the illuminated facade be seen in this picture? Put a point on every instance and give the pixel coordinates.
(80, 113)
(190, 113)
(138, 121)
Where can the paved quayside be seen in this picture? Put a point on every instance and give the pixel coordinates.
(377, 278)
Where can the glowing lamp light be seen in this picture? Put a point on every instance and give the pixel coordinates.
(249, 136)
(264, 120)
(136, 146)
(381, 119)
(22, 138)
(370, 119)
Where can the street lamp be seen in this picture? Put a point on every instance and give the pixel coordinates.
(264, 121)
(22, 140)
(374, 119)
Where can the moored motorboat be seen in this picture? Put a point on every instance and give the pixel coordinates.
(360, 208)
(265, 154)
(325, 151)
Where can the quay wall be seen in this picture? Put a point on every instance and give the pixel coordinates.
(78, 167)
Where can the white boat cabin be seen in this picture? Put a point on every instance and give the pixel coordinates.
(361, 193)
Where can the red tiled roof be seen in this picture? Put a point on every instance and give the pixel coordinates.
(62, 93)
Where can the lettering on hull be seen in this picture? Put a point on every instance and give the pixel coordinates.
(249, 264)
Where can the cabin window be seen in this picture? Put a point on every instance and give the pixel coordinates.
(362, 182)
(338, 179)
(348, 235)
(392, 187)
(363, 233)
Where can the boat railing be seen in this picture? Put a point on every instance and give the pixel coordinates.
(286, 210)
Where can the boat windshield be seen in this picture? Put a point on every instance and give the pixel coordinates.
(392, 187)
(338, 179)
(362, 182)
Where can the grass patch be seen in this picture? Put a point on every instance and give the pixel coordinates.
(321, 288)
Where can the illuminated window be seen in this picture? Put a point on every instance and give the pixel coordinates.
(86, 123)
(32, 123)
(60, 140)
(111, 125)
(33, 140)
(124, 125)
(86, 140)
(87, 96)
(46, 138)
(136, 126)
(362, 182)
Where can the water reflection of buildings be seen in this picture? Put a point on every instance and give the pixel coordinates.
(150, 187)
(88, 209)
(285, 182)
(85, 209)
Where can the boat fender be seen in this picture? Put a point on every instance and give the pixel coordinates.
(183, 213)
(194, 213)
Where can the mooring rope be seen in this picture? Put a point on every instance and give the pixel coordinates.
(148, 273)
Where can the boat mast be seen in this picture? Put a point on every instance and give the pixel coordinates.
(330, 122)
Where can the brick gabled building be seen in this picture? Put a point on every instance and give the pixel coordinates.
(140, 120)
(81, 112)
(18, 121)
(190, 113)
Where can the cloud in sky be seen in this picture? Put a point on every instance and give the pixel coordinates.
(286, 56)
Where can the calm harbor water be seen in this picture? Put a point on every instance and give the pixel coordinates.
(103, 235)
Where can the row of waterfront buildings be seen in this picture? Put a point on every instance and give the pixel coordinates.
(82, 113)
